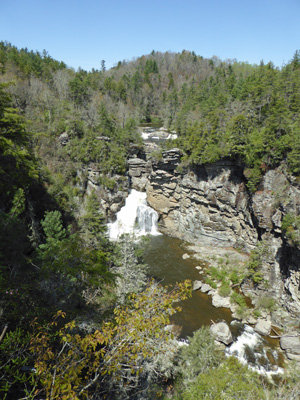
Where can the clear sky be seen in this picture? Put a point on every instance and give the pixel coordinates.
(83, 32)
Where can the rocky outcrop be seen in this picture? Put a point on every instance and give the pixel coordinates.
(210, 205)
(278, 195)
(207, 203)
(111, 191)
(139, 170)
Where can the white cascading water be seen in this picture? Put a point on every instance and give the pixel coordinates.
(250, 349)
(136, 217)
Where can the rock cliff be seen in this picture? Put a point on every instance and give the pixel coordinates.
(211, 204)
(206, 203)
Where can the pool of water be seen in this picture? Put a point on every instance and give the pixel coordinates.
(164, 257)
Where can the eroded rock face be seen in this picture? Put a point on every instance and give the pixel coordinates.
(208, 203)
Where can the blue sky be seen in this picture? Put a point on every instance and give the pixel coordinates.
(82, 33)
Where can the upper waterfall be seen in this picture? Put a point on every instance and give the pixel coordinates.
(136, 217)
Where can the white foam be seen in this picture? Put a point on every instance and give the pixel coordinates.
(252, 341)
(172, 136)
(136, 218)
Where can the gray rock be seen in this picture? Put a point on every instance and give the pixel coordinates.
(292, 356)
(205, 288)
(197, 285)
(263, 327)
(251, 320)
(219, 301)
(221, 333)
(185, 256)
(64, 138)
(290, 342)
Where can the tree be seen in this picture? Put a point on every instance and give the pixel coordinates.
(18, 167)
(93, 228)
(121, 359)
(130, 273)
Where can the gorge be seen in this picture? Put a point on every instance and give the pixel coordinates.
(210, 207)
(199, 155)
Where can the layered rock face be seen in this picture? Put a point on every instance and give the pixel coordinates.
(211, 205)
(208, 203)
(279, 194)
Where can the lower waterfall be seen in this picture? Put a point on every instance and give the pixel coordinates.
(136, 217)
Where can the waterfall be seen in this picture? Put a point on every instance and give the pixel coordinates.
(136, 217)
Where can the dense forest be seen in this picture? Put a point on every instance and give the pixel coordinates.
(79, 316)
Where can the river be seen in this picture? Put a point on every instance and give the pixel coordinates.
(164, 257)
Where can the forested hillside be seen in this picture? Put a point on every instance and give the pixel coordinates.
(79, 318)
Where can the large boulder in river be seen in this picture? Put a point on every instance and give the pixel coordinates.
(205, 288)
(263, 327)
(197, 285)
(290, 342)
(221, 333)
(220, 301)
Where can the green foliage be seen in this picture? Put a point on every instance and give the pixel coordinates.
(131, 273)
(230, 380)
(67, 255)
(17, 165)
(16, 365)
(29, 62)
(257, 256)
(198, 356)
(224, 289)
(53, 229)
(239, 299)
(119, 359)
(92, 224)
(291, 228)
(267, 303)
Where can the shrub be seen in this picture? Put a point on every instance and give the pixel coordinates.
(224, 289)
(198, 356)
(230, 380)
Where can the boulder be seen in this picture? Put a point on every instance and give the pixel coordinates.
(185, 256)
(221, 333)
(290, 342)
(263, 327)
(219, 301)
(205, 288)
(64, 138)
(197, 285)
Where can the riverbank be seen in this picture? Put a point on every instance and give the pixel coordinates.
(172, 260)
